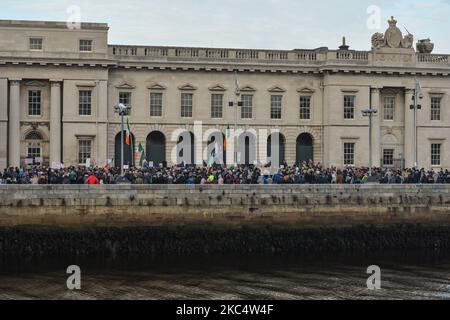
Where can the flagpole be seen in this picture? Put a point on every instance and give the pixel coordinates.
(236, 106)
(121, 146)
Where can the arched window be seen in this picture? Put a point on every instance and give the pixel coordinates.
(33, 135)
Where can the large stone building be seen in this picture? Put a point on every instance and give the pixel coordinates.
(58, 89)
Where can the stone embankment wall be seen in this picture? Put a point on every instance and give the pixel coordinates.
(184, 220)
(130, 205)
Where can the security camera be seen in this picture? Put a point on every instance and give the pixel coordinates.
(421, 96)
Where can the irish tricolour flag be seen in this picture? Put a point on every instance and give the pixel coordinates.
(128, 134)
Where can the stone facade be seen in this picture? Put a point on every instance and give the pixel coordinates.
(61, 65)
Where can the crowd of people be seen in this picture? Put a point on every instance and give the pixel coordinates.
(306, 173)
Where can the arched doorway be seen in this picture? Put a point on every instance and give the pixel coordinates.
(128, 151)
(279, 142)
(247, 149)
(34, 143)
(305, 148)
(216, 152)
(156, 148)
(186, 148)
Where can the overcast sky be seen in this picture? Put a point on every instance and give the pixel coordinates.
(274, 24)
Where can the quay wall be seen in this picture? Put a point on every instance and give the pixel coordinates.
(131, 220)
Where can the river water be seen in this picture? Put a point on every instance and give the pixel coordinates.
(403, 276)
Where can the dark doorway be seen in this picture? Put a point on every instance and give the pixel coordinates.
(156, 148)
(128, 151)
(186, 148)
(247, 148)
(279, 141)
(216, 147)
(305, 149)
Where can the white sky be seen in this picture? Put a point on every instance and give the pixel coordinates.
(271, 24)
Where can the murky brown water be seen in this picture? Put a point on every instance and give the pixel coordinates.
(230, 278)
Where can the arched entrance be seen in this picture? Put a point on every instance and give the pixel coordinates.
(34, 143)
(186, 148)
(156, 148)
(247, 148)
(216, 152)
(305, 148)
(279, 142)
(128, 151)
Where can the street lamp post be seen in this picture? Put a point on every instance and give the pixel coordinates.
(236, 104)
(416, 106)
(122, 110)
(370, 113)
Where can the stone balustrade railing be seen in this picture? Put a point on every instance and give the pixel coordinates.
(316, 57)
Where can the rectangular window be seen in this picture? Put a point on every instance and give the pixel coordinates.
(247, 107)
(275, 107)
(125, 99)
(389, 108)
(435, 154)
(34, 103)
(85, 45)
(388, 157)
(33, 152)
(156, 104)
(216, 106)
(349, 154)
(85, 102)
(349, 107)
(36, 44)
(305, 108)
(186, 105)
(84, 150)
(436, 108)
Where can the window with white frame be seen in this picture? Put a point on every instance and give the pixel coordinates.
(436, 154)
(86, 45)
(389, 108)
(436, 108)
(247, 106)
(125, 99)
(34, 103)
(33, 152)
(156, 104)
(388, 157)
(349, 107)
(186, 105)
(349, 154)
(305, 107)
(84, 150)
(216, 106)
(36, 44)
(275, 106)
(85, 102)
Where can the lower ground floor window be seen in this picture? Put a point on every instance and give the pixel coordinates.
(349, 154)
(388, 157)
(84, 150)
(436, 154)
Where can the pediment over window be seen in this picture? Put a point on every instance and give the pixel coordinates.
(306, 90)
(125, 86)
(218, 88)
(248, 89)
(277, 89)
(156, 86)
(34, 83)
(187, 87)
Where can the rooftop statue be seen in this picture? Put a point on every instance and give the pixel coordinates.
(392, 38)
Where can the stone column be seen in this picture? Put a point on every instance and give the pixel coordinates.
(376, 128)
(14, 124)
(55, 122)
(409, 130)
